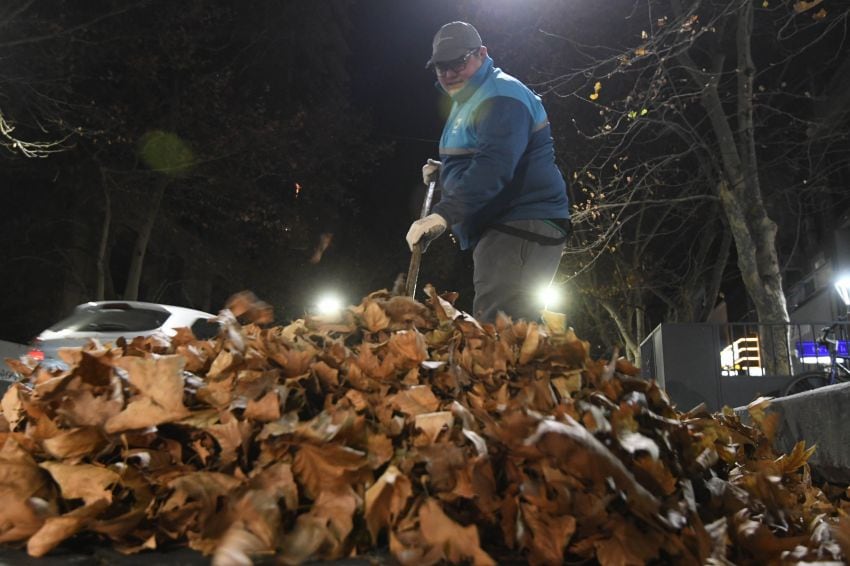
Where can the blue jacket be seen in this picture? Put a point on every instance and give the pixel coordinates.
(498, 158)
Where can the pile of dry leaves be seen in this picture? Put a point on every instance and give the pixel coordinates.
(401, 425)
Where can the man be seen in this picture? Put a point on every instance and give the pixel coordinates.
(502, 193)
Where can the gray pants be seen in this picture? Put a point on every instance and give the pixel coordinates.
(510, 270)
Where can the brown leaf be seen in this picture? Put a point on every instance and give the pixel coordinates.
(797, 458)
(192, 501)
(142, 412)
(616, 551)
(410, 345)
(415, 400)
(380, 450)
(357, 399)
(74, 443)
(159, 378)
(653, 469)
(641, 501)
(554, 322)
(19, 518)
(530, 344)
(19, 474)
(266, 409)
(247, 305)
(385, 500)
(94, 366)
(160, 384)
(336, 509)
(375, 318)
(83, 481)
(801, 6)
(254, 530)
(432, 424)
(57, 529)
(13, 409)
(757, 538)
(237, 547)
(305, 540)
(229, 435)
(18, 366)
(327, 375)
(83, 408)
(277, 480)
(222, 363)
(325, 468)
(455, 542)
(567, 385)
(547, 535)
(325, 240)
(294, 362)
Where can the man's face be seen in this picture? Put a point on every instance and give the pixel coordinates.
(453, 75)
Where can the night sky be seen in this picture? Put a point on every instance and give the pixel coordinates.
(391, 41)
(388, 43)
(55, 207)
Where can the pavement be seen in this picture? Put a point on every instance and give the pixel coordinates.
(818, 418)
(104, 556)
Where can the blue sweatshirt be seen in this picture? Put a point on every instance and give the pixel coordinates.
(498, 158)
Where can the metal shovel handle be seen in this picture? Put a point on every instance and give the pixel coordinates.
(416, 257)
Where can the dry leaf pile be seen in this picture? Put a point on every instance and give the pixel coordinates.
(401, 425)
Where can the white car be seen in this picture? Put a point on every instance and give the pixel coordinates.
(106, 321)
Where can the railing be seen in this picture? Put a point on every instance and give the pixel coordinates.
(732, 364)
(752, 349)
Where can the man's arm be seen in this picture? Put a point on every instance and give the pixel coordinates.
(503, 128)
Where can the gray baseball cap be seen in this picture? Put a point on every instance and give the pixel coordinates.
(453, 41)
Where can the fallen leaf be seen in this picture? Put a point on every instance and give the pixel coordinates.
(415, 400)
(57, 529)
(455, 542)
(375, 318)
(385, 500)
(432, 424)
(83, 481)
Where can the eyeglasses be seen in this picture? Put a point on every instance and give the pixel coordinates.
(456, 65)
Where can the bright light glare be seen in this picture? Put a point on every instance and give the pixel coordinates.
(329, 304)
(842, 285)
(549, 297)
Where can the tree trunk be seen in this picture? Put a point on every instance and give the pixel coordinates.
(134, 274)
(713, 287)
(100, 291)
(740, 191)
(631, 342)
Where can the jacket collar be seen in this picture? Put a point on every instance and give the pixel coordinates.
(472, 84)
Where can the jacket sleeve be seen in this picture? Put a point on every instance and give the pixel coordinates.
(502, 128)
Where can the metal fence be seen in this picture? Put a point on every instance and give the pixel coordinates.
(733, 363)
(745, 351)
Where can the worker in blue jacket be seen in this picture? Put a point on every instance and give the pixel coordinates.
(502, 194)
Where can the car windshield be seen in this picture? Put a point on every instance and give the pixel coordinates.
(112, 320)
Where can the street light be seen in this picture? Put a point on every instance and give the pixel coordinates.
(329, 304)
(549, 297)
(842, 286)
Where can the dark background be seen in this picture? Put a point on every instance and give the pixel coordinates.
(379, 71)
(333, 97)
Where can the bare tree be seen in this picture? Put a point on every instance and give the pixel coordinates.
(685, 107)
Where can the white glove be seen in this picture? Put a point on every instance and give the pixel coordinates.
(426, 230)
(431, 171)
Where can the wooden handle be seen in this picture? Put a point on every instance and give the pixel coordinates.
(413, 271)
(416, 258)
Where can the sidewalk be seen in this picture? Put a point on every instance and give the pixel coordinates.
(818, 418)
